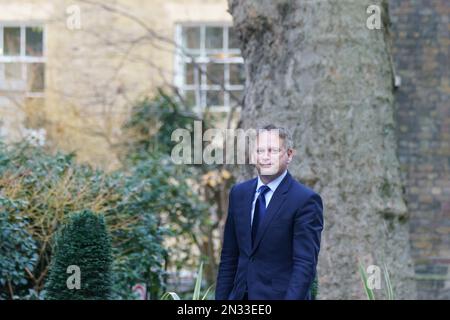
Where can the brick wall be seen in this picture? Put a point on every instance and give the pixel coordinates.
(421, 54)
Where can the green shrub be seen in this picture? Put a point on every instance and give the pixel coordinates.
(84, 242)
(142, 205)
(51, 186)
(147, 201)
(18, 250)
(196, 295)
(315, 288)
(150, 126)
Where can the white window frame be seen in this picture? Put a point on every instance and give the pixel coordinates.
(21, 85)
(181, 58)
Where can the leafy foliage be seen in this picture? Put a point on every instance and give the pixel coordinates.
(315, 288)
(370, 292)
(153, 209)
(196, 295)
(42, 189)
(166, 207)
(149, 129)
(18, 250)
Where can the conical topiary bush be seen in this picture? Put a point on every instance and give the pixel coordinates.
(82, 244)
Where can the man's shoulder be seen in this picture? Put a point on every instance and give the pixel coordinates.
(295, 186)
(303, 193)
(298, 187)
(244, 185)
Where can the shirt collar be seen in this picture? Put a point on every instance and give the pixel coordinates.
(273, 185)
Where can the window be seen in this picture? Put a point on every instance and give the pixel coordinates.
(209, 70)
(22, 59)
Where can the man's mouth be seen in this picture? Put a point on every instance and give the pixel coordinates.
(266, 165)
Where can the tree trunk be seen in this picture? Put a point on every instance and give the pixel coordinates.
(317, 69)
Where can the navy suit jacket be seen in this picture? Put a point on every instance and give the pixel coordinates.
(282, 262)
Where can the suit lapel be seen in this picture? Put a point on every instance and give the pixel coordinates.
(275, 203)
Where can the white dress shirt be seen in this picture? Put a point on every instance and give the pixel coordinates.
(273, 185)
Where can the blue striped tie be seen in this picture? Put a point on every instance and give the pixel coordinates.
(260, 210)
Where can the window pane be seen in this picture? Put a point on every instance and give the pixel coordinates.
(237, 75)
(236, 97)
(233, 41)
(189, 74)
(215, 73)
(34, 41)
(214, 98)
(11, 41)
(36, 77)
(189, 97)
(214, 38)
(13, 71)
(191, 37)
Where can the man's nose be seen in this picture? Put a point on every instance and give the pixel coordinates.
(266, 154)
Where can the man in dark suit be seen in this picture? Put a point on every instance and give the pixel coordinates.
(273, 229)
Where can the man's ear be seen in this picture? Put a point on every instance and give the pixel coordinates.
(291, 153)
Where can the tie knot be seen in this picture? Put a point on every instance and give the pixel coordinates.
(263, 189)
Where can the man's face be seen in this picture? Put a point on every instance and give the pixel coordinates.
(270, 155)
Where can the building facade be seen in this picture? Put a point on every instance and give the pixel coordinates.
(75, 68)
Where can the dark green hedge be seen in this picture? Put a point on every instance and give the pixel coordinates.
(84, 243)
